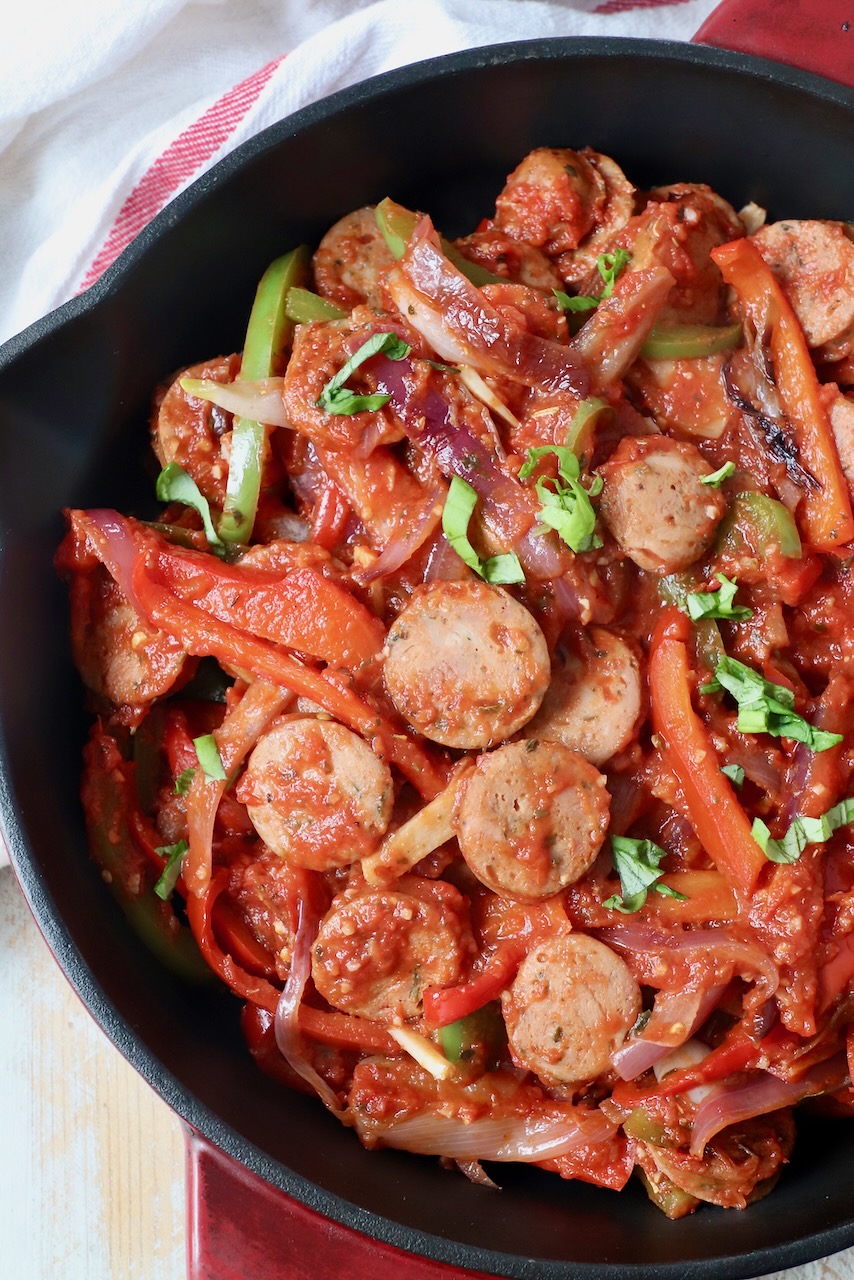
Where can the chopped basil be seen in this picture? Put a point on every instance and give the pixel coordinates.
(336, 398)
(209, 757)
(609, 266)
(459, 507)
(174, 855)
(175, 485)
(184, 781)
(764, 707)
(638, 865)
(717, 604)
(802, 832)
(717, 477)
(565, 504)
(735, 773)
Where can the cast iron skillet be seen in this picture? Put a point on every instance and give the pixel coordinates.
(74, 395)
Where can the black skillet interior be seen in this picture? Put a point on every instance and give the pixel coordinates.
(74, 395)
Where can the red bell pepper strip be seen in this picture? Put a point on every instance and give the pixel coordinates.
(825, 511)
(203, 634)
(443, 1005)
(301, 609)
(735, 1053)
(718, 819)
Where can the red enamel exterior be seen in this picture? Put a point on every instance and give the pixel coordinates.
(812, 35)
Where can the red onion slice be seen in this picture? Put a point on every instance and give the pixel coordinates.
(757, 1096)
(462, 326)
(286, 1022)
(526, 1138)
(675, 1017)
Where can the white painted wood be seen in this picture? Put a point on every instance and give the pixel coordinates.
(91, 1160)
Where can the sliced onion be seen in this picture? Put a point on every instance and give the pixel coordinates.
(261, 401)
(463, 327)
(717, 944)
(675, 1017)
(402, 547)
(116, 548)
(757, 1096)
(526, 1138)
(286, 1022)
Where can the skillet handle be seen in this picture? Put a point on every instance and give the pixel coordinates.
(240, 1227)
(813, 35)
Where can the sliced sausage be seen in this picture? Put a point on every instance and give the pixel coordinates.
(531, 819)
(611, 217)
(655, 504)
(571, 1005)
(119, 656)
(350, 260)
(316, 793)
(551, 199)
(189, 431)
(493, 248)
(377, 950)
(701, 220)
(466, 664)
(842, 424)
(814, 263)
(594, 701)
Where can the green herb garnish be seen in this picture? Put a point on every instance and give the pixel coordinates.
(802, 832)
(565, 504)
(458, 510)
(716, 479)
(764, 707)
(609, 266)
(717, 604)
(175, 485)
(336, 398)
(184, 781)
(209, 757)
(174, 855)
(638, 865)
(735, 773)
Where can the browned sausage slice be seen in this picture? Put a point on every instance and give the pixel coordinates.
(466, 664)
(571, 1005)
(378, 949)
(655, 504)
(594, 701)
(189, 431)
(316, 793)
(350, 261)
(531, 819)
(814, 262)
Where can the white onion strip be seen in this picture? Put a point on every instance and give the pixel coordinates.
(524, 1138)
(261, 401)
(286, 1022)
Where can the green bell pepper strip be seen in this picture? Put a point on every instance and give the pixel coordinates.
(580, 437)
(759, 522)
(397, 225)
(689, 341)
(304, 307)
(109, 799)
(267, 334)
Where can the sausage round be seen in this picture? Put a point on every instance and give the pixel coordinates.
(531, 818)
(351, 259)
(655, 504)
(316, 793)
(466, 664)
(571, 1005)
(595, 698)
(377, 950)
(814, 263)
(189, 431)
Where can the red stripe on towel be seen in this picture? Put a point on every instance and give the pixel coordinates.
(181, 159)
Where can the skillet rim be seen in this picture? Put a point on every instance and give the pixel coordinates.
(42, 904)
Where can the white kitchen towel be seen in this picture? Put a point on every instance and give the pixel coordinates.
(108, 110)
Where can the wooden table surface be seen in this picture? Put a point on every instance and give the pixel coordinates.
(91, 1160)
